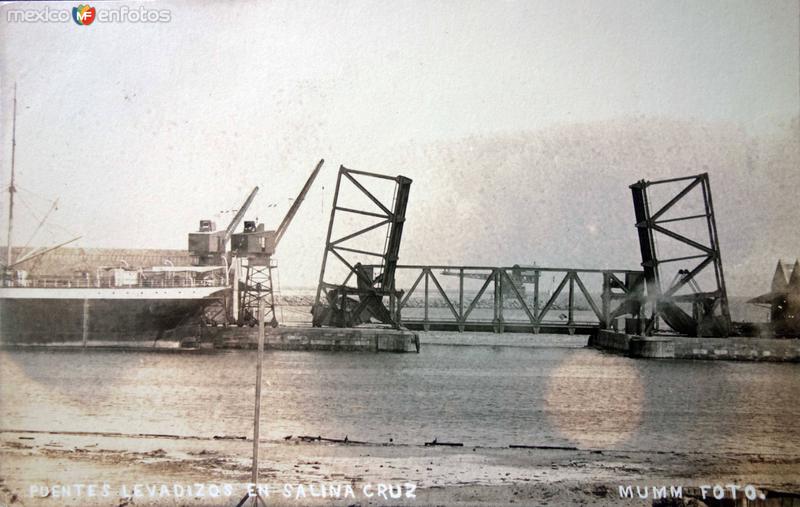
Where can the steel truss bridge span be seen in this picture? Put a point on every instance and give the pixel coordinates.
(516, 299)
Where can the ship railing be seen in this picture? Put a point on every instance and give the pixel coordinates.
(62, 283)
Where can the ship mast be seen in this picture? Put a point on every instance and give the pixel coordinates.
(11, 188)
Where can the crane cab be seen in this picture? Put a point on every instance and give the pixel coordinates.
(207, 244)
(254, 242)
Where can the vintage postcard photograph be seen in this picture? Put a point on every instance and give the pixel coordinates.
(400, 253)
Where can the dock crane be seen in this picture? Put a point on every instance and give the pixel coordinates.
(252, 251)
(208, 245)
(208, 248)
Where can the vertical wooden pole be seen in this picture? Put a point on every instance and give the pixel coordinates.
(571, 302)
(274, 322)
(461, 293)
(257, 417)
(496, 302)
(606, 324)
(499, 283)
(11, 188)
(426, 325)
(237, 273)
(461, 300)
(85, 321)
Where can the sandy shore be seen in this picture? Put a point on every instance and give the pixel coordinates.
(31, 461)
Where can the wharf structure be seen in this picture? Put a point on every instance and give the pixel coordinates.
(211, 294)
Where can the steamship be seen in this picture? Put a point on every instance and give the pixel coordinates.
(94, 296)
(107, 304)
(67, 295)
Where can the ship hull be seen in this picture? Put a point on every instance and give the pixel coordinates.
(100, 318)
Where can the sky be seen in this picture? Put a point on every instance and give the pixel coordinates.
(521, 123)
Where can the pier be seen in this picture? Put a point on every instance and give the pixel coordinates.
(362, 339)
(688, 347)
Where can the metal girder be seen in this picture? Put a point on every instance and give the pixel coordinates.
(513, 308)
(359, 297)
(255, 247)
(257, 286)
(710, 314)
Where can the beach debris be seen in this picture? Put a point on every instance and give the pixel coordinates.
(550, 447)
(449, 444)
(345, 440)
(18, 445)
(156, 453)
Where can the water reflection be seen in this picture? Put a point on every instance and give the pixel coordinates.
(595, 405)
(491, 396)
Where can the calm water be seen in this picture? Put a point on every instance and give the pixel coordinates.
(545, 394)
